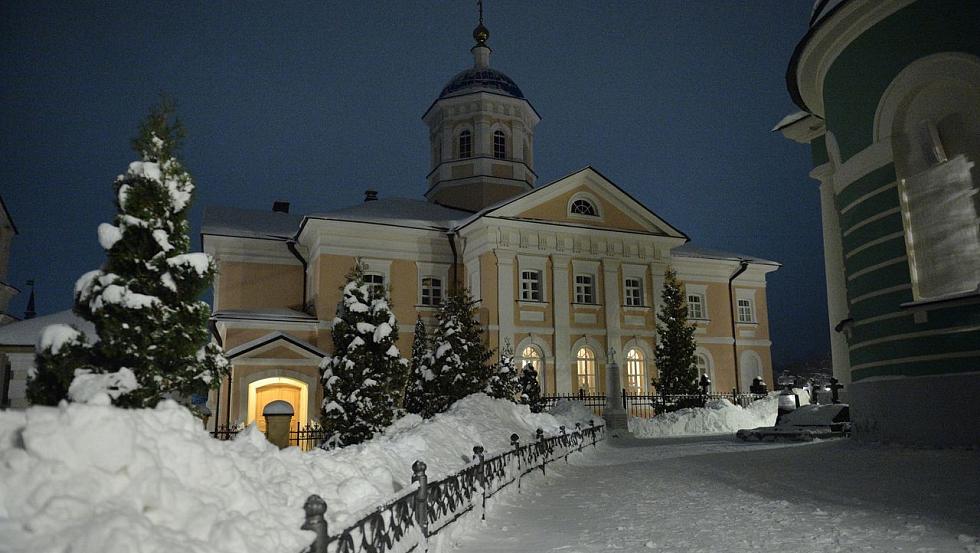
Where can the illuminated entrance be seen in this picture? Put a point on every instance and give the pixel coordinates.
(262, 392)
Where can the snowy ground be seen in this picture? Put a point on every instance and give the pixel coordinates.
(708, 494)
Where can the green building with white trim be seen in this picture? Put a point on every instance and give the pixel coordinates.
(890, 93)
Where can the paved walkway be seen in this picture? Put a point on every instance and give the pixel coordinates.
(718, 494)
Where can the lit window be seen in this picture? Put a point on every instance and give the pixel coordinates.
(431, 291)
(701, 362)
(499, 145)
(585, 369)
(531, 285)
(745, 314)
(584, 207)
(376, 281)
(532, 355)
(465, 144)
(584, 289)
(635, 371)
(633, 288)
(695, 306)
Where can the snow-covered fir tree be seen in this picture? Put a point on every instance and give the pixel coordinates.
(505, 380)
(531, 389)
(364, 378)
(422, 384)
(674, 355)
(153, 338)
(459, 355)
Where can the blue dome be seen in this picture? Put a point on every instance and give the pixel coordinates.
(486, 79)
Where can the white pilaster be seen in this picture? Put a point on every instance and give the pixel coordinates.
(561, 302)
(657, 280)
(505, 294)
(833, 257)
(610, 285)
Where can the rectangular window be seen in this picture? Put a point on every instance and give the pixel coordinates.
(633, 288)
(431, 291)
(465, 144)
(584, 289)
(375, 280)
(745, 314)
(695, 306)
(499, 145)
(531, 285)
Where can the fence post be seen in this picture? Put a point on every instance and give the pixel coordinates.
(421, 497)
(315, 508)
(592, 426)
(564, 441)
(581, 437)
(478, 454)
(541, 449)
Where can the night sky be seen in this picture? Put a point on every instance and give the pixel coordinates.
(315, 102)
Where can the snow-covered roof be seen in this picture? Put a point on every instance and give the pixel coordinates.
(252, 345)
(264, 314)
(249, 223)
(692, 251)
(402, 212)
(26, 333)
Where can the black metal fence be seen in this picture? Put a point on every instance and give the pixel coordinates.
(307, 437)
(650, 405)
(425, 508)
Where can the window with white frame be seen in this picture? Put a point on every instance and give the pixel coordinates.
(696, 308)
(585, 369)
(375, 280)
(465, 144)
(499, 145)
(584, 207)
(636, 373)
(703, 364)
(745, 312)
(531, 286)
(633, 291)
(584, 289)
(431, 291)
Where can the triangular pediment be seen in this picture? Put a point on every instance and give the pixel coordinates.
(275, 345)
(614, 209)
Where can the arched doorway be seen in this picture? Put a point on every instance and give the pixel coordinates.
(262, 392)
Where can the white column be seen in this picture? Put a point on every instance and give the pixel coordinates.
(657, 275)
(561, 303)
(610, 285)
(833, 257)
(505, 295)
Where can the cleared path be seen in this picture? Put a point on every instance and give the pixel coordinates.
(717, 494)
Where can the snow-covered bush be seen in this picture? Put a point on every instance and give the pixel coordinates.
(505, 380)
(365, 376)
(144, 300)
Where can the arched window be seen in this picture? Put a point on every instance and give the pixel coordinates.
(532, 355)
(465, 144)
(584, 207)
(636, 373)
(585, 369)
(499, 145)
(701, 362)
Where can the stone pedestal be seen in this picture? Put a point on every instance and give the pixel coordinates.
(277, 415)
(614, 413)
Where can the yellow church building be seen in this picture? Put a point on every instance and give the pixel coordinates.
(563, 272)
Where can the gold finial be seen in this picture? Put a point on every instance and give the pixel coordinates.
(480, 33)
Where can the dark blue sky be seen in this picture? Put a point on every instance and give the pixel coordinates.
(318, 101)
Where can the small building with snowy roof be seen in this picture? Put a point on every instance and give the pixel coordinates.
(563, 272)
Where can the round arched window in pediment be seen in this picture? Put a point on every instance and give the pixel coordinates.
(584, 207)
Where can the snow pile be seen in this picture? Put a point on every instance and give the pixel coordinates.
(570, 409)
(717, 417)
(96, 479)
(101, 388)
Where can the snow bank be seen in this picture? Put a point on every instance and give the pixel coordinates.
(717, 417)
(96, 479)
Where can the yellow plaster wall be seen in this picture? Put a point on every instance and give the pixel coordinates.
(331, 272)
(557, 210)
(256, 285)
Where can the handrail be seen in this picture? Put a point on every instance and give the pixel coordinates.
(426, 508)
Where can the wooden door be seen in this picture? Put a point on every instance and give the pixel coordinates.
(272, 392)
